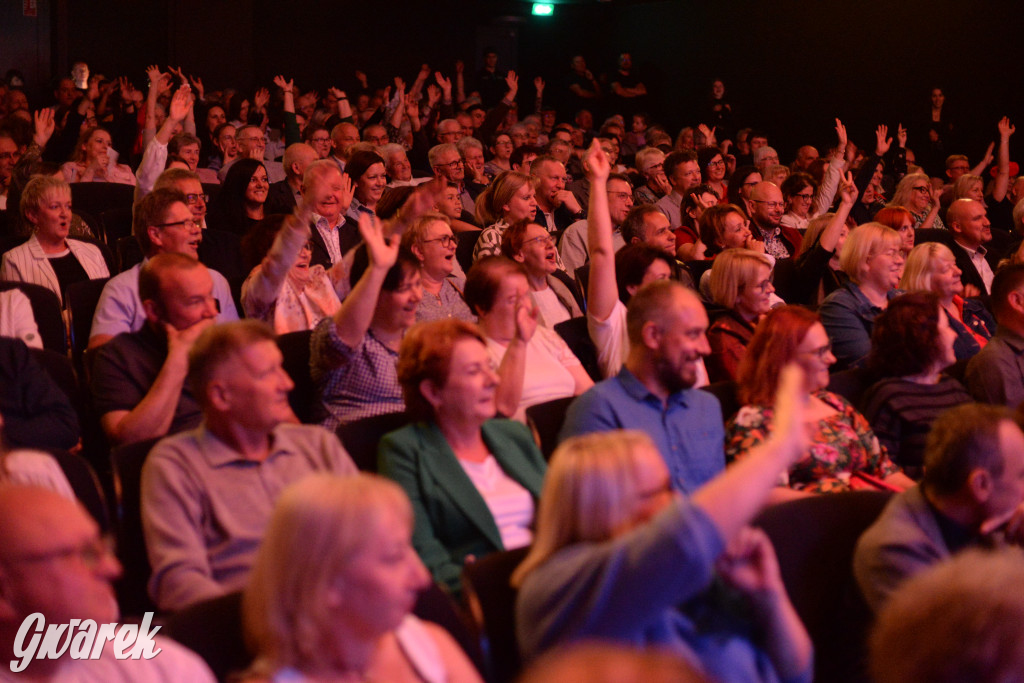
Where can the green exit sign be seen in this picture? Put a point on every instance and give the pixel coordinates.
(543, 9)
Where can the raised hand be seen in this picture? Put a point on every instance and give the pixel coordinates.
(596, 163)
(901, 136)
(336, 93)
(445, 83)
(538, 84)
(197, 85)
(749, 564)
(512, 81)
(382, 251)
(460, 66)
(154, 74)
(847, 190)
(43, 123)
(790, 431)
(361, 77)
(412, 106)
(399, 86)
(287, 86)
(1006, 129)
(181, 103)
(708, 133)
(433, 95)
(841, 135)
(260, 99)
(882, 143)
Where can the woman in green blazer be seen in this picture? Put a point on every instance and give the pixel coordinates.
(473, 479)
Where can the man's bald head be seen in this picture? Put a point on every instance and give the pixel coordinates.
(343, 136)
(296, 158)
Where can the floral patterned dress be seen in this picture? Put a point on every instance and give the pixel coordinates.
(843, 444)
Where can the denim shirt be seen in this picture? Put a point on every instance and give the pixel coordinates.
(848, 317)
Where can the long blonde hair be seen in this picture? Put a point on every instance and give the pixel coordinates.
(319, 525)
(591, 491)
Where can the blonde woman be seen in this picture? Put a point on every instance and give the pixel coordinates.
(616, 553)
(916, 194)
(511, 197)
(741, 282)
(931, 267)
(333, 586)
(872, 259)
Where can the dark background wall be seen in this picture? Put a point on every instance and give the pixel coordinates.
(790, 66)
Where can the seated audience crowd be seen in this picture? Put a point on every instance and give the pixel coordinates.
(473, 332)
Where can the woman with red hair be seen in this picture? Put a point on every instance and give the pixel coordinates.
(844, 453)
(900, 220)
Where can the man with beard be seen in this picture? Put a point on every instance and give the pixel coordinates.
(654, 393)
(765, 224)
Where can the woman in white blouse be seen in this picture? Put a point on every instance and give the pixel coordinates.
(50, 258)
(473, 479)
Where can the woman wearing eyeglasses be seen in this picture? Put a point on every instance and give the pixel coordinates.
(741, 282)
(873, 260)
(915, 193)
(431, 240)
(844, 453)
(533, 246)
(50, 258)
(284, 289)
(712, 171)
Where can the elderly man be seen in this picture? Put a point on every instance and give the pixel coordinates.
(446, 162)
(996, 373)
(138, 377)
(768, 206)
(207, 494)
(973, 483)
(968, 221)
(163, 223)
(654, 393)
(805, 156)
(252, 144)
(343, 136)
(573, 244)
(284, 195)
(329, 192)
(557, 207)
(54, 563)
(683, 173)
(398, 167)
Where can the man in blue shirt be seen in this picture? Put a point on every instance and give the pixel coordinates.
(666, 324)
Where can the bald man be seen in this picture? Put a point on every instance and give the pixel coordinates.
(53, 563)
(655, 393)
(767, 208)
(968, 220)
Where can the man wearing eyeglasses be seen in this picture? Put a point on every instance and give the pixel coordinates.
(53, 562)
(765, 223)
(252, 144)
(163, 223)
(446, 162)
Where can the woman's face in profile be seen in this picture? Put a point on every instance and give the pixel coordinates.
(380, 585)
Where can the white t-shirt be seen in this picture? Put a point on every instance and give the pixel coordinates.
(551, 309)
(548, 359)
(510, 504)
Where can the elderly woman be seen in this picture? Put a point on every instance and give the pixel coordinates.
(473, 479)
(617, 556)
(284, 290)
(872, 259)
(333, 586)
(650, 164)
(532, 245)
(535, 364)
(96, 161)
(240, 202)
(844, 453)
(911, 345)
(431, 240)
(931, 267)
(741, 283)
(501, 150)
(969, 186)
(915, 194)
(50, 258)
(366, 169)
(510, 198)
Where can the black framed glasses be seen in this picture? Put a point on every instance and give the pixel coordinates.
(187, 223)
(445, 240)
(194, 198)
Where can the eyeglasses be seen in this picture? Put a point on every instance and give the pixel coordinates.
(770, 205)
(821, 352)
(445, 240)
(804, 196)
(4, 156)
(187, 223)
(921, 188)
(543, 239)
(716, 163)
(765, 285)
(450, 164)
(194, 198)
(621, 195)
(323, 139)
(90, 553)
